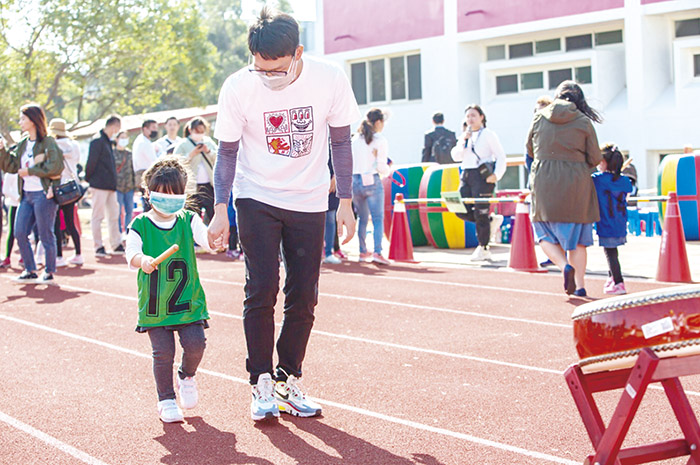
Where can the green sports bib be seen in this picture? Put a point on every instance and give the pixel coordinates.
(172, 294)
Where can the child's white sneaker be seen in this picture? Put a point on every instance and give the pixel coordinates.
(76, 260)
(169, 412)
(187, 388)
(264, 406)
(61, 262)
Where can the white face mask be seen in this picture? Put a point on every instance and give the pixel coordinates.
(122, 142)
(197, 137)
(280, 82)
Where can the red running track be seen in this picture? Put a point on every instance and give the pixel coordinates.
(413, 364)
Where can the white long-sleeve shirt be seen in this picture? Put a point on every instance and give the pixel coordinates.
(134, 243)
(71, 156)
(143, 153)
(486, 145)
(364, 160)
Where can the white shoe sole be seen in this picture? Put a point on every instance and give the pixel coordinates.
(173, 420)
(267, 416)
(289, 408)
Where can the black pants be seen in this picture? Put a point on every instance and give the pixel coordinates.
(472, 185)
(69, 219)
(204, 198)
(10, 241)
(613, 264)
(261, 229)
(193, 344)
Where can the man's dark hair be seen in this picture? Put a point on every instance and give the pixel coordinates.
(147, 123)
(113, 119)
(274, 35)
(438, 118)
(173, 118)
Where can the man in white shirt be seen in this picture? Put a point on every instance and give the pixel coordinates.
(280, 111)
(167, 143)
(143, 152)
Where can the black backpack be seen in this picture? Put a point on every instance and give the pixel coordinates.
(442, 149)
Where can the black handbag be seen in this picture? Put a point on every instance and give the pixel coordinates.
(486, 169)
(68, 192)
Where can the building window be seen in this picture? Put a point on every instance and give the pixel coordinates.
(696, 65)
(399, 75)
(584, 75)
(608, 37)
(579, 42)
(507, 84)
(531, 81)
(496, 52)
(551, 45)
(415, 88)
(358, 75)
(557, 76)
(688, 27)
(520, 50)
(398, 78)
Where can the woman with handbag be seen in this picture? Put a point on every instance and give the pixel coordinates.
(39, 163)
(198, 151)
(71, 157)
(483, 164)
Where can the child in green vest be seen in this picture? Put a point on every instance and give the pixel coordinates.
(170, 296)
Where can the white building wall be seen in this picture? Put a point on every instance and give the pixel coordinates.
(644, 87)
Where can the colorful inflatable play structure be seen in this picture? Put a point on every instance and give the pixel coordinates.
(405, 179)
(681, 174)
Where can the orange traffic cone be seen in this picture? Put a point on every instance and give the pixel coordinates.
(522, 249)
(673, 258)
(401, 247)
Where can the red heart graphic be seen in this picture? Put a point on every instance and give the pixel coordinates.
(276, 121)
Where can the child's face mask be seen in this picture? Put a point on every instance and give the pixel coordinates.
(167, 204)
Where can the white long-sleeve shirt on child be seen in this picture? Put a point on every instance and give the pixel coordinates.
(134, 243)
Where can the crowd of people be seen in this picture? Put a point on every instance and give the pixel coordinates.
(266, 184)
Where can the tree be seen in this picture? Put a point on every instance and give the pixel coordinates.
(84, 59)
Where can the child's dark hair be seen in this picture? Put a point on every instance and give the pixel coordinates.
(614, 160)
(166, 175)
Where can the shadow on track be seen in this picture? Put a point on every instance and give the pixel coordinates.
(352, 450)
(205, 445)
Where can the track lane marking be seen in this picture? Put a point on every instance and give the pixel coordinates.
(350, 408)
(50, 440)
(401, 304)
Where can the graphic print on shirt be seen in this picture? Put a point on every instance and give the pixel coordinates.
(302, 119)
(277, 122)
(290, 132)
(279, 145)
(301, 144)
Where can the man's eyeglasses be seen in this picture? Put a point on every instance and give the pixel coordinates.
(252, 69)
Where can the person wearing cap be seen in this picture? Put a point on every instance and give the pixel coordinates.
(71, 157)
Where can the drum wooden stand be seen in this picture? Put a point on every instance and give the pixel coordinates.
(648, 369)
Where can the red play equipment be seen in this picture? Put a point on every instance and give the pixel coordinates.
(522, 249)
(401, 247)
(673, 257)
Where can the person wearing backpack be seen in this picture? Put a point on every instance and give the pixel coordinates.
(439, 142)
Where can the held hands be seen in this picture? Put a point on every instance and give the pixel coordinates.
(345, 218)
(217, 232)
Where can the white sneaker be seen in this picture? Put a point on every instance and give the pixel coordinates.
(169, 412)
(291, 399)
(61, 262)
(76, 260)
(481, 253)
(264, 404)
(187, 388)
(332, 260)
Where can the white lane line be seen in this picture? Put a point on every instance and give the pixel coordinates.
(350, 408)
(50, 440)
(412, 306)
(361, 339)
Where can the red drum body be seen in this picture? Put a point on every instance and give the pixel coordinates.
(609, 334)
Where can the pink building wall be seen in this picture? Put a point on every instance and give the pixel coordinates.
(645, 2)
(480, 14)
(349, 25)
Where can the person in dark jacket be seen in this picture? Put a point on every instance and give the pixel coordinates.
(101, 173)
(438, 142)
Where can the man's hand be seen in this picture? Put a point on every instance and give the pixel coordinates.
(218, 228)
(492, 179)
(345, 217)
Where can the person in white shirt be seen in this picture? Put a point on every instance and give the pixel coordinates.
(370, 151)
(483, 164)
(10, 191)
(280, 110)
(143, 154)
(167, 143)
(71, 157)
